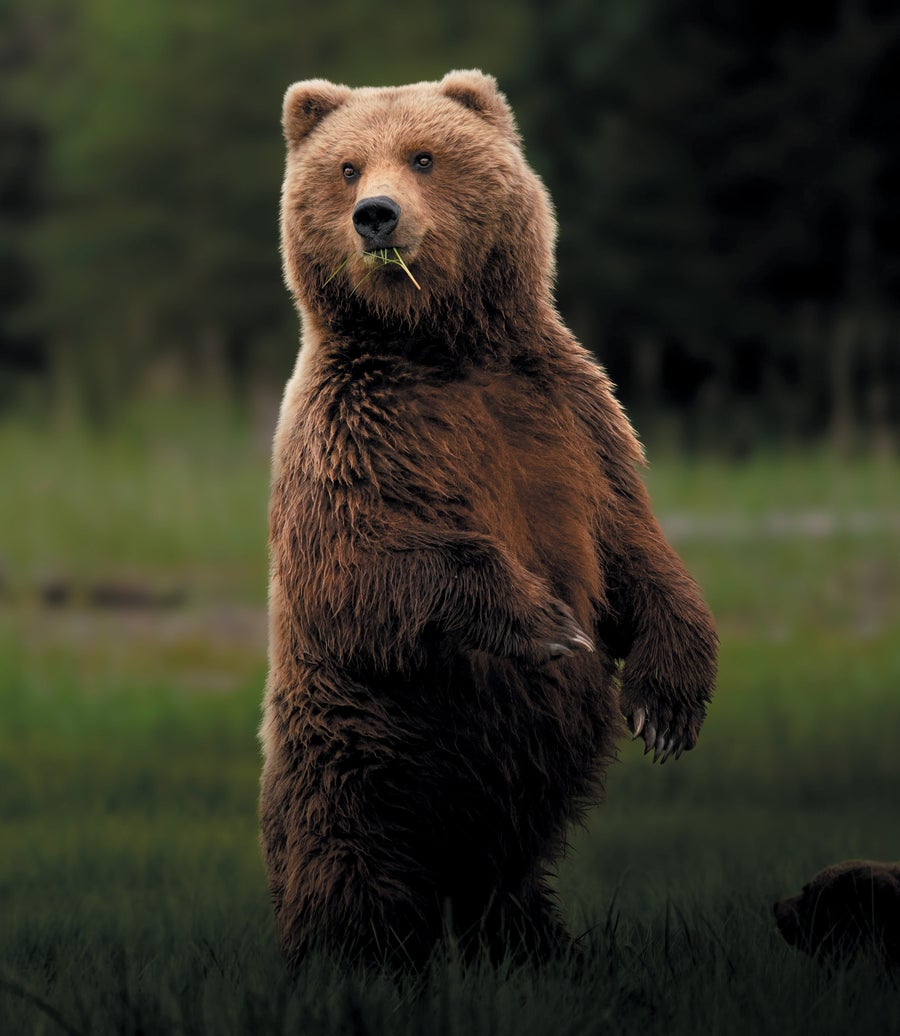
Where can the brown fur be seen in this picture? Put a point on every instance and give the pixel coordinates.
(454, 502)
(846, 909)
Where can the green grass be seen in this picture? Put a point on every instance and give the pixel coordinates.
(132, 895)
(175, 497)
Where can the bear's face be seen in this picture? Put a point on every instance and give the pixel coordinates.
(400, 198)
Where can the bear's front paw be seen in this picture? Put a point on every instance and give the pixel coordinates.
(558, 634)
(665, 734)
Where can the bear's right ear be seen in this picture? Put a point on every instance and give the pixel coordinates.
(479, 93)
(308, 102)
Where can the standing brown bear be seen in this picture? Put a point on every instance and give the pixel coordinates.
(462, 553)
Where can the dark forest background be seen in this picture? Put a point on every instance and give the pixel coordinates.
(726, 174)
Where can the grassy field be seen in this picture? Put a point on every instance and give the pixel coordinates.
(132, 895)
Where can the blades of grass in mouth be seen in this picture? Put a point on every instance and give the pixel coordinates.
(337, 271)
(400, 262)
(359, 284)
(382, 256)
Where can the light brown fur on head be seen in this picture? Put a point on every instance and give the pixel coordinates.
(461, 231)
(846, 909)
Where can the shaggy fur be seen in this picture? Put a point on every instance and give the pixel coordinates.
(847, 909)
(462, 553)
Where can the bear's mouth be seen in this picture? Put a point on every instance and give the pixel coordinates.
(390, 260)
(390, 257)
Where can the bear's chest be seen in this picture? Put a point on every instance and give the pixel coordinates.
(487, 453)
(366, 441)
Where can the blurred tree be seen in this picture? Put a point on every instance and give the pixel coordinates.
(794, 192)
(20, 160)
(725, 176)
(157, 241)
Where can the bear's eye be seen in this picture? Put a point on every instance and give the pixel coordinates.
(349, 171)
(422, 162)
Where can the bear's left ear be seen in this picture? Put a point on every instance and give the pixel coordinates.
(479, 93)
(308, 102)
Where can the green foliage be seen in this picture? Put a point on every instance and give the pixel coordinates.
(176, 497)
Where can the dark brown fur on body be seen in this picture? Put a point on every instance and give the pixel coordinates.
(846, 910)
(462, 551)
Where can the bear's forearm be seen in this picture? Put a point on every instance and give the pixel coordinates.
(485, 599)
(657, 620)
(659, 625)
(456, 585)
(673, 644)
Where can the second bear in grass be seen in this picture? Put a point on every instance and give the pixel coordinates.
(847, 910)
(469, 593)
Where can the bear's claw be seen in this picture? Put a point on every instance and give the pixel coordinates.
(649, 736)
(582, 640)
(565, 635)
(664, 744)
(559, 651)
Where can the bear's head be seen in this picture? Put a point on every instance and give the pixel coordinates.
(845, 909)
(407, 203)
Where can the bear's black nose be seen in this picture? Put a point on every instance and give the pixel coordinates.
(375, 218)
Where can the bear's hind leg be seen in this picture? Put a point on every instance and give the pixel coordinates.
(525, 927)
(348, 903)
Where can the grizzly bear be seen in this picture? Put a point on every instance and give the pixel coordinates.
(845, 910)
(469, 594)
